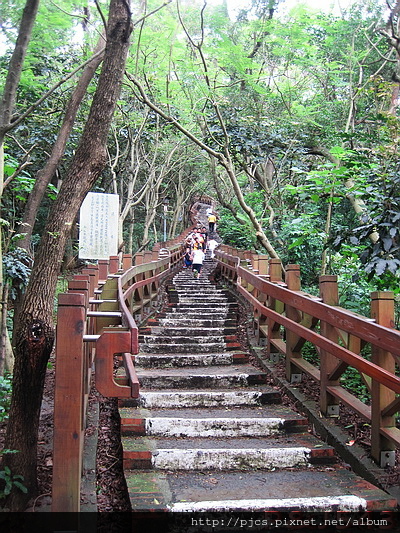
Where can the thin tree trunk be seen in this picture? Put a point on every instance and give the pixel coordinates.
(7, 105)
(35, 333)
(324, 259)
(130, 231)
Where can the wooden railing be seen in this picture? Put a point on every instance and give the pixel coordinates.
(285, 318)
(96, 320)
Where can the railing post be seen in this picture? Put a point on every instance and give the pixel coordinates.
(80, 284)
(114, 264)
(263, 265)
(329, 294)
(275, 272)
(94, 277)
(254, 262)
(103, 269)
(293, 348)
(148, 257)
(139, 258)
(126, 261)
(382, 449)
(261, 321)
(68, 404)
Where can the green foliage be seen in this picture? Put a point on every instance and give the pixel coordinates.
(302, 244)
(5, 396)
(17, 269)
(354, 287)
(234, 233)
(22, 185)
(8, 480)
(309, 353)
(379, 187)
(352, 381)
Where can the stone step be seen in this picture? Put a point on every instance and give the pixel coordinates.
(203, 302)
(198, 314)
(264, 421)
(206, 297)
(206, 293)
(187, 289)
(200, 378)
(164, 399)
(207, 304)
(190, 280)
(182, 321)
(312, 490)
(224, 454)
(208, 433)
(174, 340)
(183, 348)
(205, 309)
(171, 361)
(319, 450)
(192, 331)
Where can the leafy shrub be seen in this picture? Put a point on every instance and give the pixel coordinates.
(17, 269)
(238, 235)
(303, 244)
(8, 480)
(353, 382)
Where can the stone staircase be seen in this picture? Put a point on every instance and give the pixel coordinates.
(208, 434)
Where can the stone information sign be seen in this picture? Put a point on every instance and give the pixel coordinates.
(98, 226)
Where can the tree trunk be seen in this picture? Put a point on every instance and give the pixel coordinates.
(35, 333)
(7, 105)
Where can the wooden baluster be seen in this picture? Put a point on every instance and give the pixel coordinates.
(68, 404)
(263, 265)
(293, 282)
(103, 269)
(274, 333)
(262, 323)
(139, 258)
(91, 273)
(329, 405)
(126, 261)
(382, 448)
(114, 264)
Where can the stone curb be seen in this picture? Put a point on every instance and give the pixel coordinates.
(331, 433)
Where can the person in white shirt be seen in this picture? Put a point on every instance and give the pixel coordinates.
(212, 244)
(198, 258)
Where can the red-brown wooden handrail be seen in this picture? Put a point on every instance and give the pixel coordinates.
(81, 332)
(282, 304)
(340, 318)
